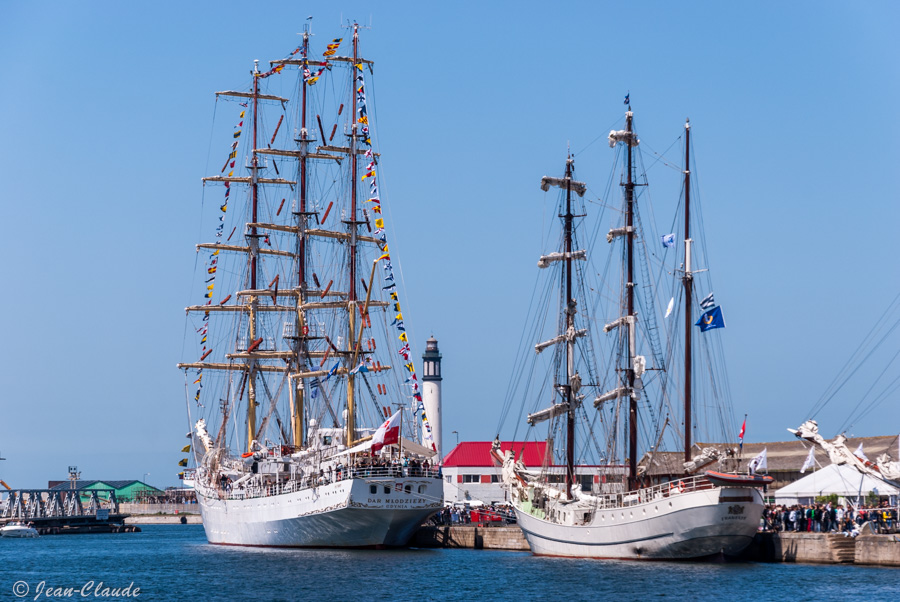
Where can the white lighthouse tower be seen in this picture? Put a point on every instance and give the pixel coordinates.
(431, 391)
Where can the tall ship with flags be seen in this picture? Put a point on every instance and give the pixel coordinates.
(300, 345)
(636, 373)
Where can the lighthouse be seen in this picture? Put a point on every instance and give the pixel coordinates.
(431, 391)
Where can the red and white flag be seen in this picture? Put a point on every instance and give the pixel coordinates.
(387, 433)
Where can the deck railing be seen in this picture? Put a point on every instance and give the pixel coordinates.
(254, 490)
(656, 492)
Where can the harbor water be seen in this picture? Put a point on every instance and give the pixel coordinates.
(174, 562)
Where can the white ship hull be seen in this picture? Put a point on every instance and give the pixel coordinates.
(692, 524)
(344, 514)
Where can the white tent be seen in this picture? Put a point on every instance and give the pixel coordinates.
(843, 481)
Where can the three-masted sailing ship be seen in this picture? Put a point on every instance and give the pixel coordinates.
(624, 514)
(301, 340)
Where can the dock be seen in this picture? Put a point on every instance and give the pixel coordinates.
(825, 548)
(769, 547)
(471, 536)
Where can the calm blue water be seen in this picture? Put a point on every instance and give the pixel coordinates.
(174, 562)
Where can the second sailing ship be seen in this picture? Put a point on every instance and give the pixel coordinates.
(695, 515)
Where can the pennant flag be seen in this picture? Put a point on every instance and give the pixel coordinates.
(182, 462)
(810, 460)
(711, 319)
(385, 256)
(707, 301)
(859, 453)
(388, 433)
(670, 307)
(186, 448)
(403, 338)
(199, 378)
(758, 463)
(241, 116)
(668, 240)
(741, 436)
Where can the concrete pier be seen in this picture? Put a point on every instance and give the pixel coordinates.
(825, 548)
(164, 519)
(818, 548)
(478, 538)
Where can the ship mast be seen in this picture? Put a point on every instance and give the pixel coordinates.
(352, 225)
(297, 406)
(688, 291)
(253, 244)
(573, 381)
(570, 343)
(629, 297)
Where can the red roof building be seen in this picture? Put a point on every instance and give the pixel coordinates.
(472, 477)
(478, 453)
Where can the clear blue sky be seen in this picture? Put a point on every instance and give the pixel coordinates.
(105, 127)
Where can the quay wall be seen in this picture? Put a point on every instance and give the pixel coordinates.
(128, 508)
(478, 538)
(164, 519)
(881, 550)
(814, 548)
(825, 548)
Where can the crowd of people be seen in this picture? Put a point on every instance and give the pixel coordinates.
(829, 518)
(494, 514)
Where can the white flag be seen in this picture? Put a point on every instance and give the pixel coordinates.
(758, 463)
(859, 453)
(670, 307)
(810, 460)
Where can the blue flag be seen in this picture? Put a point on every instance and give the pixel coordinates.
(668, 240)
(711, 319)
(628, 98)
(332, 372)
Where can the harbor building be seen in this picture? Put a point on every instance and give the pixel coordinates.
(126, 490)
(470, 475)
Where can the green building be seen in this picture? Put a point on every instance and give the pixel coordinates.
(126, 491)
